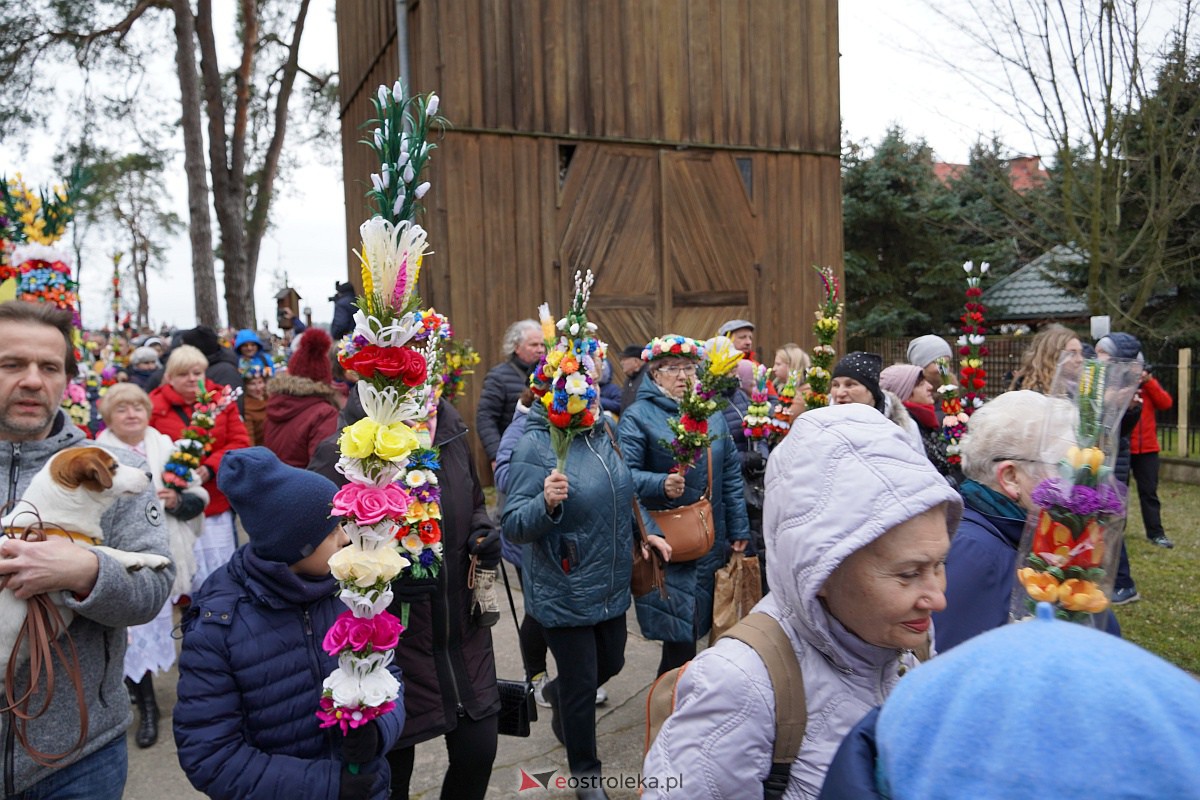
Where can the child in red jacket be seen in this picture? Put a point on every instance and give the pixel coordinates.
(1143, 464)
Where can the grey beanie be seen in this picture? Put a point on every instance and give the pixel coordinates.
(924, 350)
(144, 355)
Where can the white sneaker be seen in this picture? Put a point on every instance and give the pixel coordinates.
(539, 683)
(601, 696)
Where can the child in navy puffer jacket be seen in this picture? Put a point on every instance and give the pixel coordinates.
(252, 666)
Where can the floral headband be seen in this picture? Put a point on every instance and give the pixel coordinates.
(673, 346)
(256, 371)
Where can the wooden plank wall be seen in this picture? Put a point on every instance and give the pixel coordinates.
(667, 95)
(758, 74)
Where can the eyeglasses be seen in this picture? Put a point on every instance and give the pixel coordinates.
(998, 459)
(682, 369)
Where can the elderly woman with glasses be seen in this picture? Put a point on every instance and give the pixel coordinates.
(1007, 451)
(686, 614)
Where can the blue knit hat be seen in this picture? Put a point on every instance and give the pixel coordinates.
(1042, 708)
(284, 510)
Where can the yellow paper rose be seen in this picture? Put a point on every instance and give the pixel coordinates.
(1081, 595)
(1040, 585)
(575, 404)
(358, 440)
(366, 568)
(394, 442)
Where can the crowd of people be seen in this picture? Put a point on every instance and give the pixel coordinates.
(881, 548)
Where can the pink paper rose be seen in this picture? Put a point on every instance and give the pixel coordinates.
(370, 504)
(337, 637)
(387, 630)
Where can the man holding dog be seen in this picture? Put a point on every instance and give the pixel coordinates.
(36, 362)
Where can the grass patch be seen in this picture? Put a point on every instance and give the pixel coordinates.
(1167, 619)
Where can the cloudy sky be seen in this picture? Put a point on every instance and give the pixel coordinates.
(887, 73)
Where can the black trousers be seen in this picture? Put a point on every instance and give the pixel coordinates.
(472, 749)
(586, 656)
(1143, 468)
(533, 640)
(675, 654)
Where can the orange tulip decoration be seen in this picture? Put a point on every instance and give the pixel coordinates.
(1073, 536)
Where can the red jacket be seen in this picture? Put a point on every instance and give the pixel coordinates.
(170, 414)
(1144, 438)
(300, 414)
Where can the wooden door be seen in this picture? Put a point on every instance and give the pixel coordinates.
(710, 244)
(607, 223)
(669, 235)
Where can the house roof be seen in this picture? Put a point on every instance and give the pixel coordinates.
(1039, 289)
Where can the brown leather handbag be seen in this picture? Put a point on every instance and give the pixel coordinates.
(689, 529)
(649, 574)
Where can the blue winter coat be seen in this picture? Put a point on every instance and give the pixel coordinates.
(575, 563)
(981, 570)
(250, 677)
(686, 614)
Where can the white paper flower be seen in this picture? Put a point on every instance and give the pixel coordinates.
(968, 266)
(372, 472)
(365, 605)
(421, 189)
(376, 333)
(398, 92)
(432, 106)
(983, 268)
(343, 686)
(35, 251)
(388, 406)
(392, 253)
(370, 537)
(576, 384)
(383, 94)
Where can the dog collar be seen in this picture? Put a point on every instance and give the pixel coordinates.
(51, 530)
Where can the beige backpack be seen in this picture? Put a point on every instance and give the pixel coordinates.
(763, 633)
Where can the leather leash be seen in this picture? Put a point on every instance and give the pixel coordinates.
(46, 634)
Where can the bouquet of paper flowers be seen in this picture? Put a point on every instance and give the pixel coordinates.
(391, 501)
(196, 441)
(714, 376)
(781, 418)
(971, 345)
(33, 269)
(757, 422)
(75, 403)
(567, 381)
(954, 419)
(460, 360)
(829, 315)
(1072, 540)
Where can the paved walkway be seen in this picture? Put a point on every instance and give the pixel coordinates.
(155, 774)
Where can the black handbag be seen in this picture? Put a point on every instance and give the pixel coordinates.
(517, 707)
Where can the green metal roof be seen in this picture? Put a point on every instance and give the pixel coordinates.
(1038, 290)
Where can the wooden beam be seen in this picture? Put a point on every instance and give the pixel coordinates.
(708, 298)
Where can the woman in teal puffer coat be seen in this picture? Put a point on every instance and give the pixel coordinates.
(686, 614)
(577, 536)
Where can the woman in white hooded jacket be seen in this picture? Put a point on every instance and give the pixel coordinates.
(857, 524)
(125, 409)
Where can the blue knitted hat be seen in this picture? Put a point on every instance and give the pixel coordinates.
(284, 510)
(1041, 709)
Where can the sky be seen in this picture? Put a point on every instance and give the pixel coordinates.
(888, 76)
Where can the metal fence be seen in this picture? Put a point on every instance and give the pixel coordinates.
(1004, 356)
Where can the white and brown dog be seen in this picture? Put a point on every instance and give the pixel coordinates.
(68, 496)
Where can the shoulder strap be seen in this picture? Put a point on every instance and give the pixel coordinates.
(763, 633)
(660, 702)
(708, 486)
